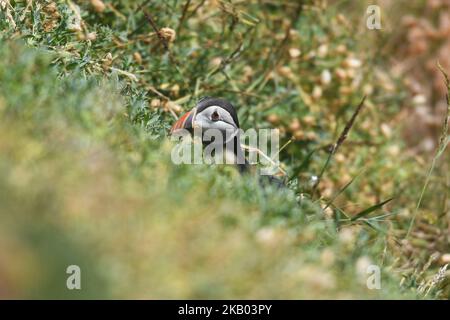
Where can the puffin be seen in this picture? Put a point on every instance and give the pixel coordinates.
(220, 114)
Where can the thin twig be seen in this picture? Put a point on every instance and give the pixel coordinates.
(233, 56)
(277, 55)
(155, 28)
(142, 5)
(166, 47)
(196, 8)
(183, 15)
(130, 75)
(260, 152)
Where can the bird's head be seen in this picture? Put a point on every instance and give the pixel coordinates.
(210, 113)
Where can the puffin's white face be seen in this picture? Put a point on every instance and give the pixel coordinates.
(215, 117)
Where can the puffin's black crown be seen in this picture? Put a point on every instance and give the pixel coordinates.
(206, 102)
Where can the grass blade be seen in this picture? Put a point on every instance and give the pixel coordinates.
(339, 142)
(443, 141)
(369, 210)
(343, 189)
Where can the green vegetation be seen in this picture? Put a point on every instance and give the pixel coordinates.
(88, 91)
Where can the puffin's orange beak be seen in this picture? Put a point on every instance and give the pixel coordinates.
(184, 122)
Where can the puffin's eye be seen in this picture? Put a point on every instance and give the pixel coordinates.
(215, 116)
